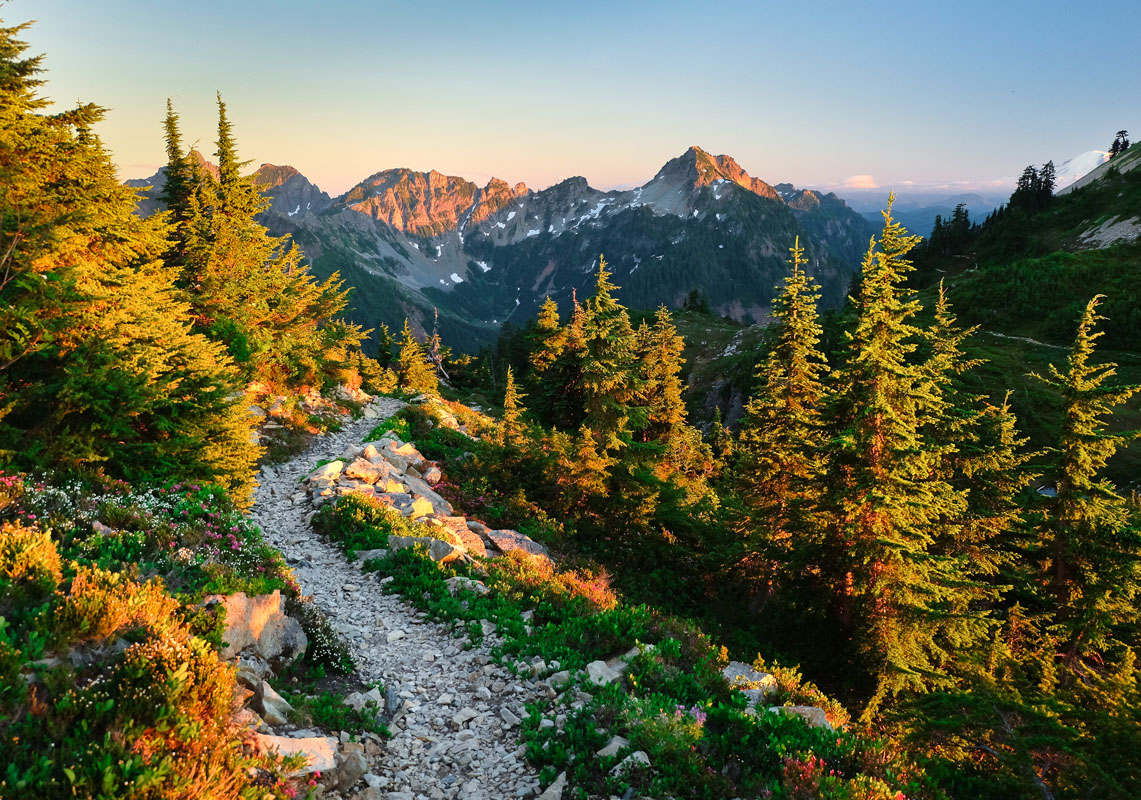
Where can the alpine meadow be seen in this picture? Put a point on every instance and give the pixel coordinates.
(690, 488)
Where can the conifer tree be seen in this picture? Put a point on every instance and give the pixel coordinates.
(385, 342)
(885, 502)
(659, 351)
(609, 381)
(412, 366)
(1093, 553)
(681, 455)
(780, 452)
(977, 450)
(248, 289)
(99, 365)
(546, 344)
(437, 352)
(511, 424)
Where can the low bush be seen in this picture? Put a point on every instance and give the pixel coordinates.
(358, 522)
(107, 691)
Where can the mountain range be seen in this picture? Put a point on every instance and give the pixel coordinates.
(411, 242)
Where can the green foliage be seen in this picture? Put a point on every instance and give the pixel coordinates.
(249, 290)
(98, 362)
(358, 522)
(779, 456)
(144, 710)
(412, 369)
(1092, 554)
(327, 710)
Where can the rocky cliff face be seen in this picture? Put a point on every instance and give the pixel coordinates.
(410, 241)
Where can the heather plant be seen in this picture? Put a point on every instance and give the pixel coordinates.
(108, 692)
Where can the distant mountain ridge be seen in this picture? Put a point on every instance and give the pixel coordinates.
(483, 255)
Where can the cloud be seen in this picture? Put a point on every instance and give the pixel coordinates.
(860, 182)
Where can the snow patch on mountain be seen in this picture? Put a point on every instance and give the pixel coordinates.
(1078, 166)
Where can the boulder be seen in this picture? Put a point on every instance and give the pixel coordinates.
(555, 790)
(319, 750)
(353, 765)
(433, 475)
(351, 452)
(328, 472)
(815, 717)
(364, 470)
(636, 759)
(742, 676)
(419, 507)
(359, 701)
(366, 555)
(438, 549)
(257, 412)
(600, 674)
(399, 463)
(509, 541)
(406, 449)
(612, 747)
(372, 454)
(274, 708)
(478, 528)
(260, 625)
(419, 487)
(460, 583)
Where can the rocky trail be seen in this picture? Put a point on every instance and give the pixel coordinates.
(454, 713)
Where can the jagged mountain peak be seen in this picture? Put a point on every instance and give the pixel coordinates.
(697, 168)
(270, 176)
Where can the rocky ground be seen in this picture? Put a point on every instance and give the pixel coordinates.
(455, 713)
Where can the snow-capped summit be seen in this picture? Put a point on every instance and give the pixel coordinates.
(1079, 166)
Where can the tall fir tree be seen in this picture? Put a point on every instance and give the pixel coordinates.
(511, 426)
(780, 449)
(977, 450)
(610, 383)
(885, 501)
(1091, 550)
(248, 289)
(678, 454)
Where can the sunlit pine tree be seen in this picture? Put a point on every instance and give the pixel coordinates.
(780, 446)
(1092, 546)
(885, 501)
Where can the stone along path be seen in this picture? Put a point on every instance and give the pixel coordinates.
(456, 720)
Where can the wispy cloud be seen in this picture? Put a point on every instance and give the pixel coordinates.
(860, 182)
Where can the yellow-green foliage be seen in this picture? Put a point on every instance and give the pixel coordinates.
(101, 603)
(29, 566)
(520, 577)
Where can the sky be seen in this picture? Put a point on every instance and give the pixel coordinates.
(856, 97)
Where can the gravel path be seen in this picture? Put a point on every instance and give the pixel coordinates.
(455, 735)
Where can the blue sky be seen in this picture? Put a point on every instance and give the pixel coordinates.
(890, 94)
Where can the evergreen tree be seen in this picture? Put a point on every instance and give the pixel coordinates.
(609, 380)
(780, 459)
(1093, 553)
(385, 342)
(977, 450)
(557, 362)
(546, 344)
(248, 289)
(99, 365)
(412, 366)
(511, 424)
(681, 455)
(885, 501)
